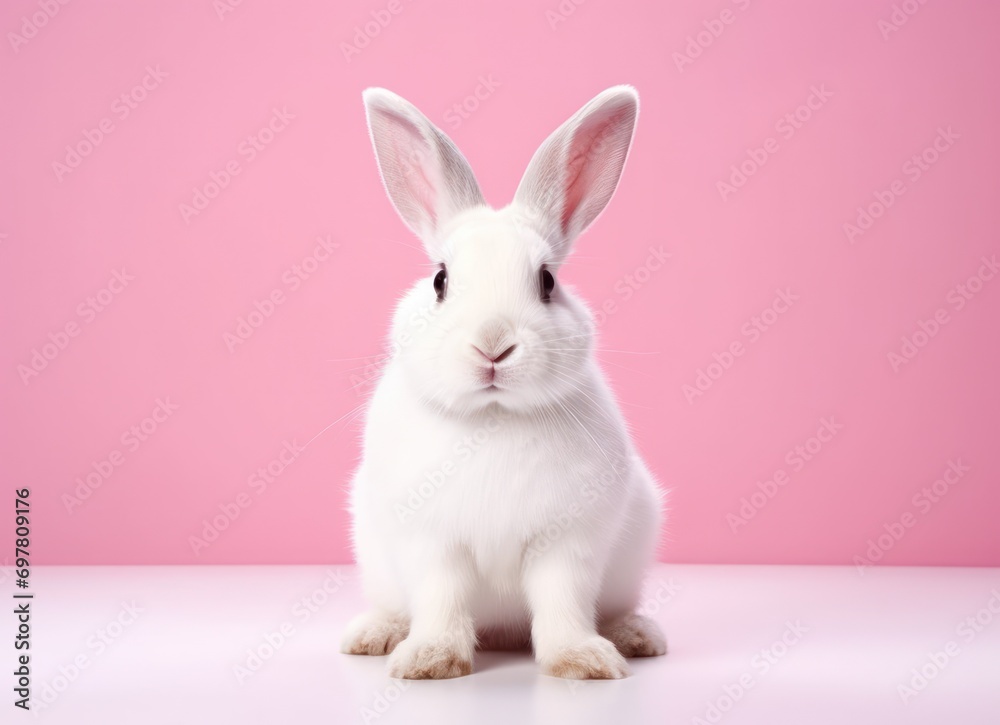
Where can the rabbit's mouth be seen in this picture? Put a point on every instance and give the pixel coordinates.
(489, 377)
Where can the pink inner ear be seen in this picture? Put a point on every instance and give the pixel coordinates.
(413, 159)
(597, 145)
(416, 192)
(575, 186)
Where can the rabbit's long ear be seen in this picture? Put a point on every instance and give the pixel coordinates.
(425, 175)
(574, 174)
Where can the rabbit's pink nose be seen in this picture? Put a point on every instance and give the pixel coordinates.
(498, 357)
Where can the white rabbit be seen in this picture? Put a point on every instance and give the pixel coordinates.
(499, 501)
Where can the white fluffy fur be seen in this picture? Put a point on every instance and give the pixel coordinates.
(512, 514)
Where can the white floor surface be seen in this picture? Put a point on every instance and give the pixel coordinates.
(748, 644)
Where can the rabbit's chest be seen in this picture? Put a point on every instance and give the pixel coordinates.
(491, 483)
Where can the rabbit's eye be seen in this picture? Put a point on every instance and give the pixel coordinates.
(548, 283)
(441, 283)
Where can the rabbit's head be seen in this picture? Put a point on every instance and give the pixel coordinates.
(492, 324)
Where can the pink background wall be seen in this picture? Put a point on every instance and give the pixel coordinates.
(880, 94)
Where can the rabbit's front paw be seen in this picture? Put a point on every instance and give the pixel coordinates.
(434, 659)
(635, 636)
(595, 658)
(374, 633)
